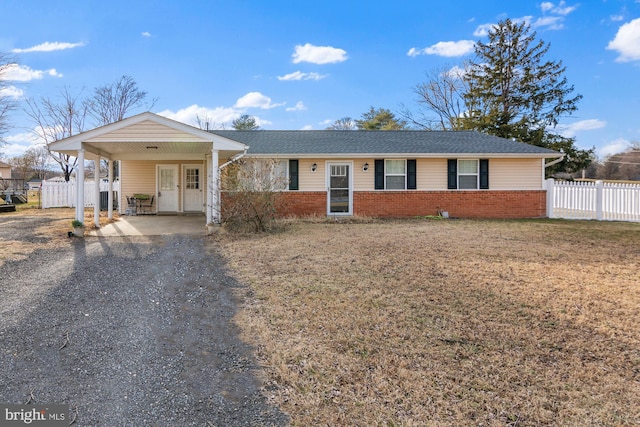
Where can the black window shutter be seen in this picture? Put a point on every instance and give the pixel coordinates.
(379, 174)
(452, 174)
(293, 174)
(411, 175)
(484, 174)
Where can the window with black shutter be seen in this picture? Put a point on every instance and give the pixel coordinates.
(293, 174)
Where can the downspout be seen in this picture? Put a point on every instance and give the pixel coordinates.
(234, 159)
(554, 162)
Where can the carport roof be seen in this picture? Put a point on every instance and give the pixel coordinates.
(147, 136)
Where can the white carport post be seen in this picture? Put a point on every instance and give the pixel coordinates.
(110, 197)
(213, 195)
(96, 181)
(80, 186)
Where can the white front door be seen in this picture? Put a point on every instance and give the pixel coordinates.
(339, 186)
(192, 179)
(167, 188)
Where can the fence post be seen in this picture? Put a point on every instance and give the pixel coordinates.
(599, 200)
(549, 188)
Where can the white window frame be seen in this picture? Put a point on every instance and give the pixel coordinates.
(466, 174)
(386, 174)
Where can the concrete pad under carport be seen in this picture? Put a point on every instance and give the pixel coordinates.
(152, 225)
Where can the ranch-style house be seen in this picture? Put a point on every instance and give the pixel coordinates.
(369, 173)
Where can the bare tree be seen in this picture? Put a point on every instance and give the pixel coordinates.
(207, 123)
(253, 194)
(440, 99)
(7, 101)
(59, 119)
(112, 102)
(41, 161)
(345, 123)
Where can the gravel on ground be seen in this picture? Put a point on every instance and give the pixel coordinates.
(128, 331)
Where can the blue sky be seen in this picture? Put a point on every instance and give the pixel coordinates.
(302, 65)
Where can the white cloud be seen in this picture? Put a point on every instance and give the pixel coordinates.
(23, 73)
(49, 47)
(299, 75)
(307, 127)
(560, 9)
(146, 34)
(218, 118)
(569, 131)
(318, 54)
(447, 49)
(483, 30)
(456, 72)
(614, 147)
(551, 22)
(17, 144)
(546, 6)
(617, 18)
(298, 107)
(12, 91)
(256, 100)
(627, 42)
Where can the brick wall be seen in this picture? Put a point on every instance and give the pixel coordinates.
(305, 203)
(462, 204)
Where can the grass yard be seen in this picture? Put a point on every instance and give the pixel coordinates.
(451, 322)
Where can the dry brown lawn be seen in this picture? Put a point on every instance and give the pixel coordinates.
(451, 322)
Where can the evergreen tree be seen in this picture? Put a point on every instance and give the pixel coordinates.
(245, 122)
(514, 92)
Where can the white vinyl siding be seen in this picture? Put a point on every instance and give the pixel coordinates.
(516, 174)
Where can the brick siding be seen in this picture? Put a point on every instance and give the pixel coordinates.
(461, 204)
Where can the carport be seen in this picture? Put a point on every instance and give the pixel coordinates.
(158, 156)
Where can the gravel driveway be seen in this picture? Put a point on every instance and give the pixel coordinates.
(130, 331)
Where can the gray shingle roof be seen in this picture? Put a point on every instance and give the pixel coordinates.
(336, 142)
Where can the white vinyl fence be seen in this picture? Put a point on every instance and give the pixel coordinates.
(593, 200)
(57, 194)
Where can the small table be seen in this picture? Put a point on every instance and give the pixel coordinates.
(143, 203)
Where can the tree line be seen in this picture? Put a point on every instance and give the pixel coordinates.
(510, 90)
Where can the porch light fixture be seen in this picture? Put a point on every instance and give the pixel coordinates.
(365, 167)
(152, 147)
(314, 167)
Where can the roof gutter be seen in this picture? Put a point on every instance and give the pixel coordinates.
(234, 158)
(554, 162)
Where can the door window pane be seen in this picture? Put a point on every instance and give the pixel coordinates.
(193, 179)
(166, 180)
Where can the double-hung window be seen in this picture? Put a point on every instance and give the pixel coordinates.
(468, 174)
(395, 174)
(261, 175)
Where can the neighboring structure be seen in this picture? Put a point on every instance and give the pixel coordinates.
(5, 170)
(369, 173)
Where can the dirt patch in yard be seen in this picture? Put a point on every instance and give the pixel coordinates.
(24, 231)
(446, 322)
